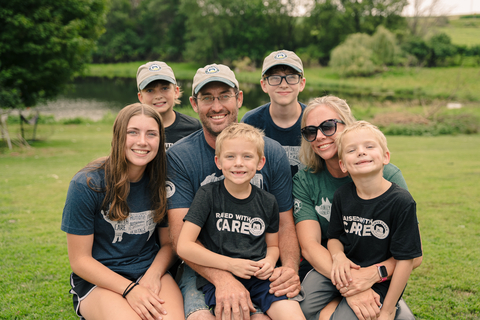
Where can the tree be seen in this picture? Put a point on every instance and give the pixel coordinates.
(331, 21)
(43, 43)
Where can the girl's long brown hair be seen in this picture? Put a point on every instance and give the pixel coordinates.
(117, 186)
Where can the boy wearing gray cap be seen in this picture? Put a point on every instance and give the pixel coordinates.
(216, 98)
(157, 87)
(282, 79)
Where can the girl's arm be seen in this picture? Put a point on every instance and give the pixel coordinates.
(341, 265)
(271, 258)
(189, 250)
(89, 269)
(397, 285)
(164, 259)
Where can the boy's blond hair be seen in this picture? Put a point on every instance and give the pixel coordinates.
(244, 131)
(357, 126)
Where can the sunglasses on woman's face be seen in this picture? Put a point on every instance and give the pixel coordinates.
(328, 128)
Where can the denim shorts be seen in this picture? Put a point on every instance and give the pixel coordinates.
(193, 299)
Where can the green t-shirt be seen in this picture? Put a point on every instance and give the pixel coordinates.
(313, 195)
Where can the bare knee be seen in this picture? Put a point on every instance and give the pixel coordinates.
(201, 315)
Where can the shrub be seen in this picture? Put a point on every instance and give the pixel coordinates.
(384, 46)
(348, 61)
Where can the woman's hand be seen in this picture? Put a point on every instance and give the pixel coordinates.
(341, 266)
(151, 280)
(243, 268)
(146, 303)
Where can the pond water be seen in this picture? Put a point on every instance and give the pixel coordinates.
(93, 97)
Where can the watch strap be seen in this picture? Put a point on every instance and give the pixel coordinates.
(382, 278)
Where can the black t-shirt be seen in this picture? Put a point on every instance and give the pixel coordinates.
(233, 227)
(374, 230)
(183, 126)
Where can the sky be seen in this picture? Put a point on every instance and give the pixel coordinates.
(450, 7)
(446, 7)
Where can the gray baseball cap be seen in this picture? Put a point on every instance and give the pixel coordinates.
(282, 57)
(154, 70)
(213, 72)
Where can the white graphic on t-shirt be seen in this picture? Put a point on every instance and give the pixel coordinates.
(292, 154)
(297, 205)
(135, 223)
(170, 188)
(239, 224)
(211, 178)
(364, 227)
(257, 180)
(257, 226)
(325, 209)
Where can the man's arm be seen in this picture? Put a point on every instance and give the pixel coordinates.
(285, 279)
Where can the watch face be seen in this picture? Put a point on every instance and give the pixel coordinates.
(383, 271)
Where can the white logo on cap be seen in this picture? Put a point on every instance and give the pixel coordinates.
(154, 67)
(211, 70)
(280, 56)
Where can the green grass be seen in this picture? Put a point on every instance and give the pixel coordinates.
(442, 174)
(463, 31)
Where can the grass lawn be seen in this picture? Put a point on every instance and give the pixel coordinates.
(442, 174)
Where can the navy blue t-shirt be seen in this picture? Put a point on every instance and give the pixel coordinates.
(127, 246)
(290, 138)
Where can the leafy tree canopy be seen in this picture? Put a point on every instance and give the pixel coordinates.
(43, 43)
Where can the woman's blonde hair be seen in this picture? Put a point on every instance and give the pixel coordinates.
(307, 155)
(117, 185)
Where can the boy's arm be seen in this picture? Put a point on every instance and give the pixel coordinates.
(399, 280)
(271, 258)
(188, 249)
(340, 264)
(230, 293)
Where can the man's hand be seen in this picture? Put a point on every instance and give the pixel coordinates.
(232, 297)
(365, 305)
(285, 281)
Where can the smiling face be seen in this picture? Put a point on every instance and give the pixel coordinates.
(239, 161)
(160, 94)
(362, 153)
(142, 143)
(324, 146)
(284, 94)
(218, 115)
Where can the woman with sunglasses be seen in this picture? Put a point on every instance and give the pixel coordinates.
(313, 189)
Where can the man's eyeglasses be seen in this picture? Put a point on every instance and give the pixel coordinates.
(208, 100)
(328, 128)
(289, 78)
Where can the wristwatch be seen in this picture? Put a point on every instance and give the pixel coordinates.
(382, 272)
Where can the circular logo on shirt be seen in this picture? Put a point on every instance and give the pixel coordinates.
(297, 205)
(170, 189)
(380, 229)
(257, 227)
